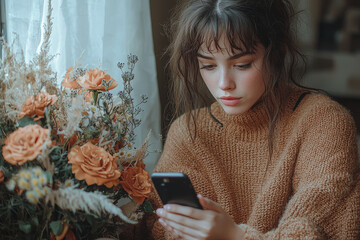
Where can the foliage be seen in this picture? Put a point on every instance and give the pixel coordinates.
(65, 150)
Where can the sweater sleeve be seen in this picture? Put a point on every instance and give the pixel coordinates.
(325, 203)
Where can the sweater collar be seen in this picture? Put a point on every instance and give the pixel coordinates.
(256, 117)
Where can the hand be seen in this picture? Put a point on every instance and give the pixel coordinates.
(190, 223)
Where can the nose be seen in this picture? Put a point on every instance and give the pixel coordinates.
(226, 82)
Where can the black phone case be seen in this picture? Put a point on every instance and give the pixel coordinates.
(175, 188)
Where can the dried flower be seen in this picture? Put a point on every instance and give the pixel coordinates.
(69, 80)
(88, 95)
(136, 182)
(95, 79)
(94, 165)
(100, 123)
(24, 144)
(35, 106)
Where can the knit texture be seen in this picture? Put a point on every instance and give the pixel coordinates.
(310, 189)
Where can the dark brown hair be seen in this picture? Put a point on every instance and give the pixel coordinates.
(245, 24)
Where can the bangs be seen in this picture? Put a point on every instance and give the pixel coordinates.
(238, 31)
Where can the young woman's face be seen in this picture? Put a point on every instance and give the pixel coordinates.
(234, 79)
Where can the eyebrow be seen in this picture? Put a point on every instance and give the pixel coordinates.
(236, 56)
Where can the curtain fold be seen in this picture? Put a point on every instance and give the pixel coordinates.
(102, 33)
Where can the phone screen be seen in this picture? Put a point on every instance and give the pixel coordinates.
(175, 188)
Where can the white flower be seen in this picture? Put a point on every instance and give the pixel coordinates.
(140, 215)
(134, 216)
(10, 185)
(39, 191)
(24, 174)
(23, 184)
(43, 179)
(37, 171)
(69, 183)
(32, 197)
(35, 182)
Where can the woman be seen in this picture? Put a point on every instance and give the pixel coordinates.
(273, 160)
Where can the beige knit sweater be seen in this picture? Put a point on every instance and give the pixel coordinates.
(310, 189)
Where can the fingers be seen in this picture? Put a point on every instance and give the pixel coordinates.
(184, 211)
(186, 221)
(179, 231)
(209, 204)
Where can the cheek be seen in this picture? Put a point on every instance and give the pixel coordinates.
(253, 82)
(209, 81)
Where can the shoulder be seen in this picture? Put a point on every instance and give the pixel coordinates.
(183, 126)
(317, 108)
(318, 120)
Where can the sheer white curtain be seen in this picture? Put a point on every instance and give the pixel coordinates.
(104, 32)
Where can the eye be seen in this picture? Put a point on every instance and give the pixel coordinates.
(243, 66)
(208, 67)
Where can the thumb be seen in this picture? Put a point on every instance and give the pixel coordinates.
(208, 204)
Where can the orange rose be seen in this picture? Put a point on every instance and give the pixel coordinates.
(93, 80)
(24, 144)
(69, 81)
(136, 182)
(2, 176)
(94, 165)
(36, 105)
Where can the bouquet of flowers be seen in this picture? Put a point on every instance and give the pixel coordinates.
(67, 160)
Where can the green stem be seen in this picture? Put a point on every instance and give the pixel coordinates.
(95, 97)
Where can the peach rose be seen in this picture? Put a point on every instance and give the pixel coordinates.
(2, 176)
(137, 183)
(24, 144)
(69, 81)
(36, 105)
(94, 165)
(93, 80)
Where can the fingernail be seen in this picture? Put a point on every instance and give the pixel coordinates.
(199, 195)
(162, 222)
(167, 207)
(159, 211)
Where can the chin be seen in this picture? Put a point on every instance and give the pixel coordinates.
(234, 110)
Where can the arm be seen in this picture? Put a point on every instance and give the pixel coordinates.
(177, 156)
(324, 179)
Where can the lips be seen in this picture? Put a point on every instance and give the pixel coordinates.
(230, 101)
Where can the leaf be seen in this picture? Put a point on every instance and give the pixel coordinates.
(35, 220)
(56, 227)
(49, 177)
(24, 227)
(147, 207)
(26, 121)
(91, 218)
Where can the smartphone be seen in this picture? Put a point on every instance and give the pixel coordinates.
(175, 188)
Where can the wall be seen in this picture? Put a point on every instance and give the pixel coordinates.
(160, 17)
